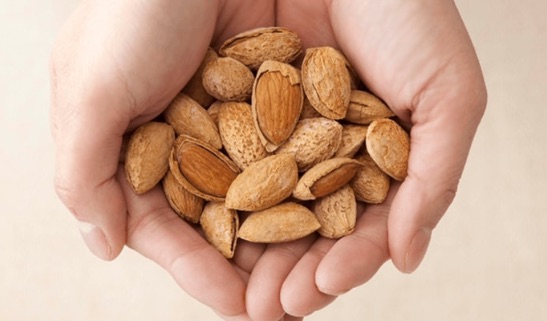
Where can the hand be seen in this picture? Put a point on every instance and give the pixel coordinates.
(417, 56)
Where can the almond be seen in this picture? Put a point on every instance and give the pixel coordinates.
(353, 137)
(364, 108)
(313, 141)
(326, 81)
(201, 169)
(276, 102)
(194, 87)
(370, 183)
(239, 135)
(282, 223)
(220, 226)
(263, 184)
(255, 46)
(147, 155)
(188, 118)
(227, 79)
(337, 213)
(213, 110)
(185, 204)
(389, 146)
(325, 178)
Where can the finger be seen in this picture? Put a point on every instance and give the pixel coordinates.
(156, 232)
(299, 293)
(363, 252)
(268, 275)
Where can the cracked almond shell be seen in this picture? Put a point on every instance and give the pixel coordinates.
(220, 226)
(337, 213)
(388, 145)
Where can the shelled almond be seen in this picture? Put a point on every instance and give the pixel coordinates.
(286, 151)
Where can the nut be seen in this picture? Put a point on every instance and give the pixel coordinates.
(220, 226)
(389, 146)
(185, 204)
(276, 102)
(337, 213)
(282, 223)
(201, 169)
(255, 46)
(194, 87)
(326, 81)
(227, 79)
(364, 108)
(147, 155)
(370, 183)
(353, 138)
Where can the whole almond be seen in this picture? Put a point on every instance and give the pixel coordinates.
(353, 138)
(389, 146)
(194, 87)
(364, 108)
(227, 79)
(337, 213)
(147, 155)
(276, 102)
(263, 184)
(370, 183)
(220, 226)
(185, 204)
(313, 141)
(201, 169)
(255, 46)
(239, 135)
(213, 110)
(282, 223)
(326, 81)
(188, 118)
(325, 178)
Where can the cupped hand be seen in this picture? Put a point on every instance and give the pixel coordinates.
(117, 65)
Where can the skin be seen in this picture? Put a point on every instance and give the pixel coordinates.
(118, 64)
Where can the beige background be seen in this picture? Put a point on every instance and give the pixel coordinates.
(487, 260)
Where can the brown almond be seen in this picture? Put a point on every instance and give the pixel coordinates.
(188, 118)
(263, 184)
(201, 169)
(282, 223)
(364, 108)
(213, 110)
(307, 110)
(220, 226)
(326, 81)
(325, 178)
(353, 137)
(370, 183)
(227, 79)
(337, 213)
(313, 141)
(239, 135)
(185, 204)
(194, 87)
(276, 102)
(255, 46)
(147, 155)
(389, 146)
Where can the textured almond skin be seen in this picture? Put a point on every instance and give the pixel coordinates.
(220, 226)
(147, 155)
(370, 183)
(326, 81)
(353, 138)
(188, 118)
(276, 102)
(364, 108)
(255, 46)
(325, 178)
(194, 87)
(313, 141)
(239, 135)
(263, 184)
(308, 111)
(337, 213)
(213, 110)
(227, 79)
(282, 223)
(389, 146)
(201, 169)
(185, 204)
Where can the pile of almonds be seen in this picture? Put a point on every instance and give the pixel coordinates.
(253, 138)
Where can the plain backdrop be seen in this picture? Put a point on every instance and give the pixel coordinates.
(487, 259)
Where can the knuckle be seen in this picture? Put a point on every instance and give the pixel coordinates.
(69, 197)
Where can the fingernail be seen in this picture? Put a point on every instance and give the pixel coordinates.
(416, 249)
(95, 240)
